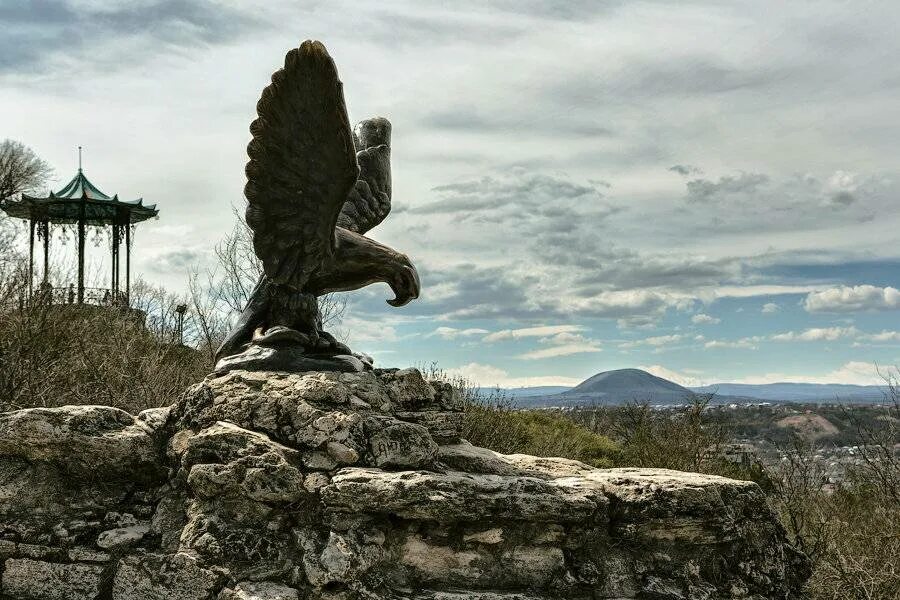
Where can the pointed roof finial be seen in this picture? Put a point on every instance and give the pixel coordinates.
(79, 159)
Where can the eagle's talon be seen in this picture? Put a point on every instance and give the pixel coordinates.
(328, 344)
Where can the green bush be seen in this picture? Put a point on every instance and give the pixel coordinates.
(544, 433)
(493, 422)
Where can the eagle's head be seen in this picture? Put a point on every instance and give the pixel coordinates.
(373, 132)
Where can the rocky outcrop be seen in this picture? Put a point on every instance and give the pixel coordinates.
(274, 486)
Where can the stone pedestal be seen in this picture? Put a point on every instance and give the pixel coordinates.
(285, 357)
(275, 486)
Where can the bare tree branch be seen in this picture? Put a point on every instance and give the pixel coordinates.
(239, 269)
(21, 170)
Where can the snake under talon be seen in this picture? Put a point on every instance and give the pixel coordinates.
(280, 334)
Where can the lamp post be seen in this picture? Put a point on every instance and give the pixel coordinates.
(180, 310)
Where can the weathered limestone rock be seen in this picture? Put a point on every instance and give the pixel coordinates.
(461, 497)
(176, 577)
(346, 486)
(468, 458)
(402, 445)
(38, 580)
(84, 439)
(123, 536)
(68, 474)
(264, 590)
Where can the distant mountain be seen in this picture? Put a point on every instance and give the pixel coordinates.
(543, 390)
(635, 385)
(627, 381)
(612, 387)
(798, 392)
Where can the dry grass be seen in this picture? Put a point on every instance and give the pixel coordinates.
(492, 422)
(58, 355)
(544, 433)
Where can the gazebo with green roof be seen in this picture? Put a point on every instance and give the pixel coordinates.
(81, 203)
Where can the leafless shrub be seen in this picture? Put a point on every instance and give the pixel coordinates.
(21, 170)
(852, 533)
(800, 491)
(879, 443)
(680, 438)
(207, 324)
(238, 268)
(52, 355)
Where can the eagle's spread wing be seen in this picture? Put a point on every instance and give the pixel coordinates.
(301, 168)
(369, 201)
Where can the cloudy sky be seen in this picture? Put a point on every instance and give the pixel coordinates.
(706, 189)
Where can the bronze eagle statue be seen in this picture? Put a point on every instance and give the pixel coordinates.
(314, 188)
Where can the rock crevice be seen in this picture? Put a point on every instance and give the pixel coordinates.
(275, 486)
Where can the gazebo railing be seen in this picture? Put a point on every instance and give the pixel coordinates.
(69, 295)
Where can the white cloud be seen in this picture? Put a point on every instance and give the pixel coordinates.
(751, 291)
(704, 319)
(560, 351)
(751, 343)
(563, 344)
(687, 378)
(655, 341)
(842, 181)
(817, 334)
(853, 373)
(642, 322)
(527, 332)
(853, 299)
(661, 340)
(769, 308)
(628, 303)
(451, 333)
(563, 338)
(831, 334)
(884, 336)
(364, 330)
(488, 375)
(813, 334)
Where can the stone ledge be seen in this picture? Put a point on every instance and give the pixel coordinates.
(328, 486)
(27, 579)
(84, 439)
(466, 457)
(463, 497)
(438, 595)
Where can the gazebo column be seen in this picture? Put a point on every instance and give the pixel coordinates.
(128, 261)
(45, 231)
(81, 218)
(30, 257)
(118, 258)
(114, 283)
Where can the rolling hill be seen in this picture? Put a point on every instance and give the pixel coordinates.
(635, 385)
(799, 392)
(612, 387)
(626, 381)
